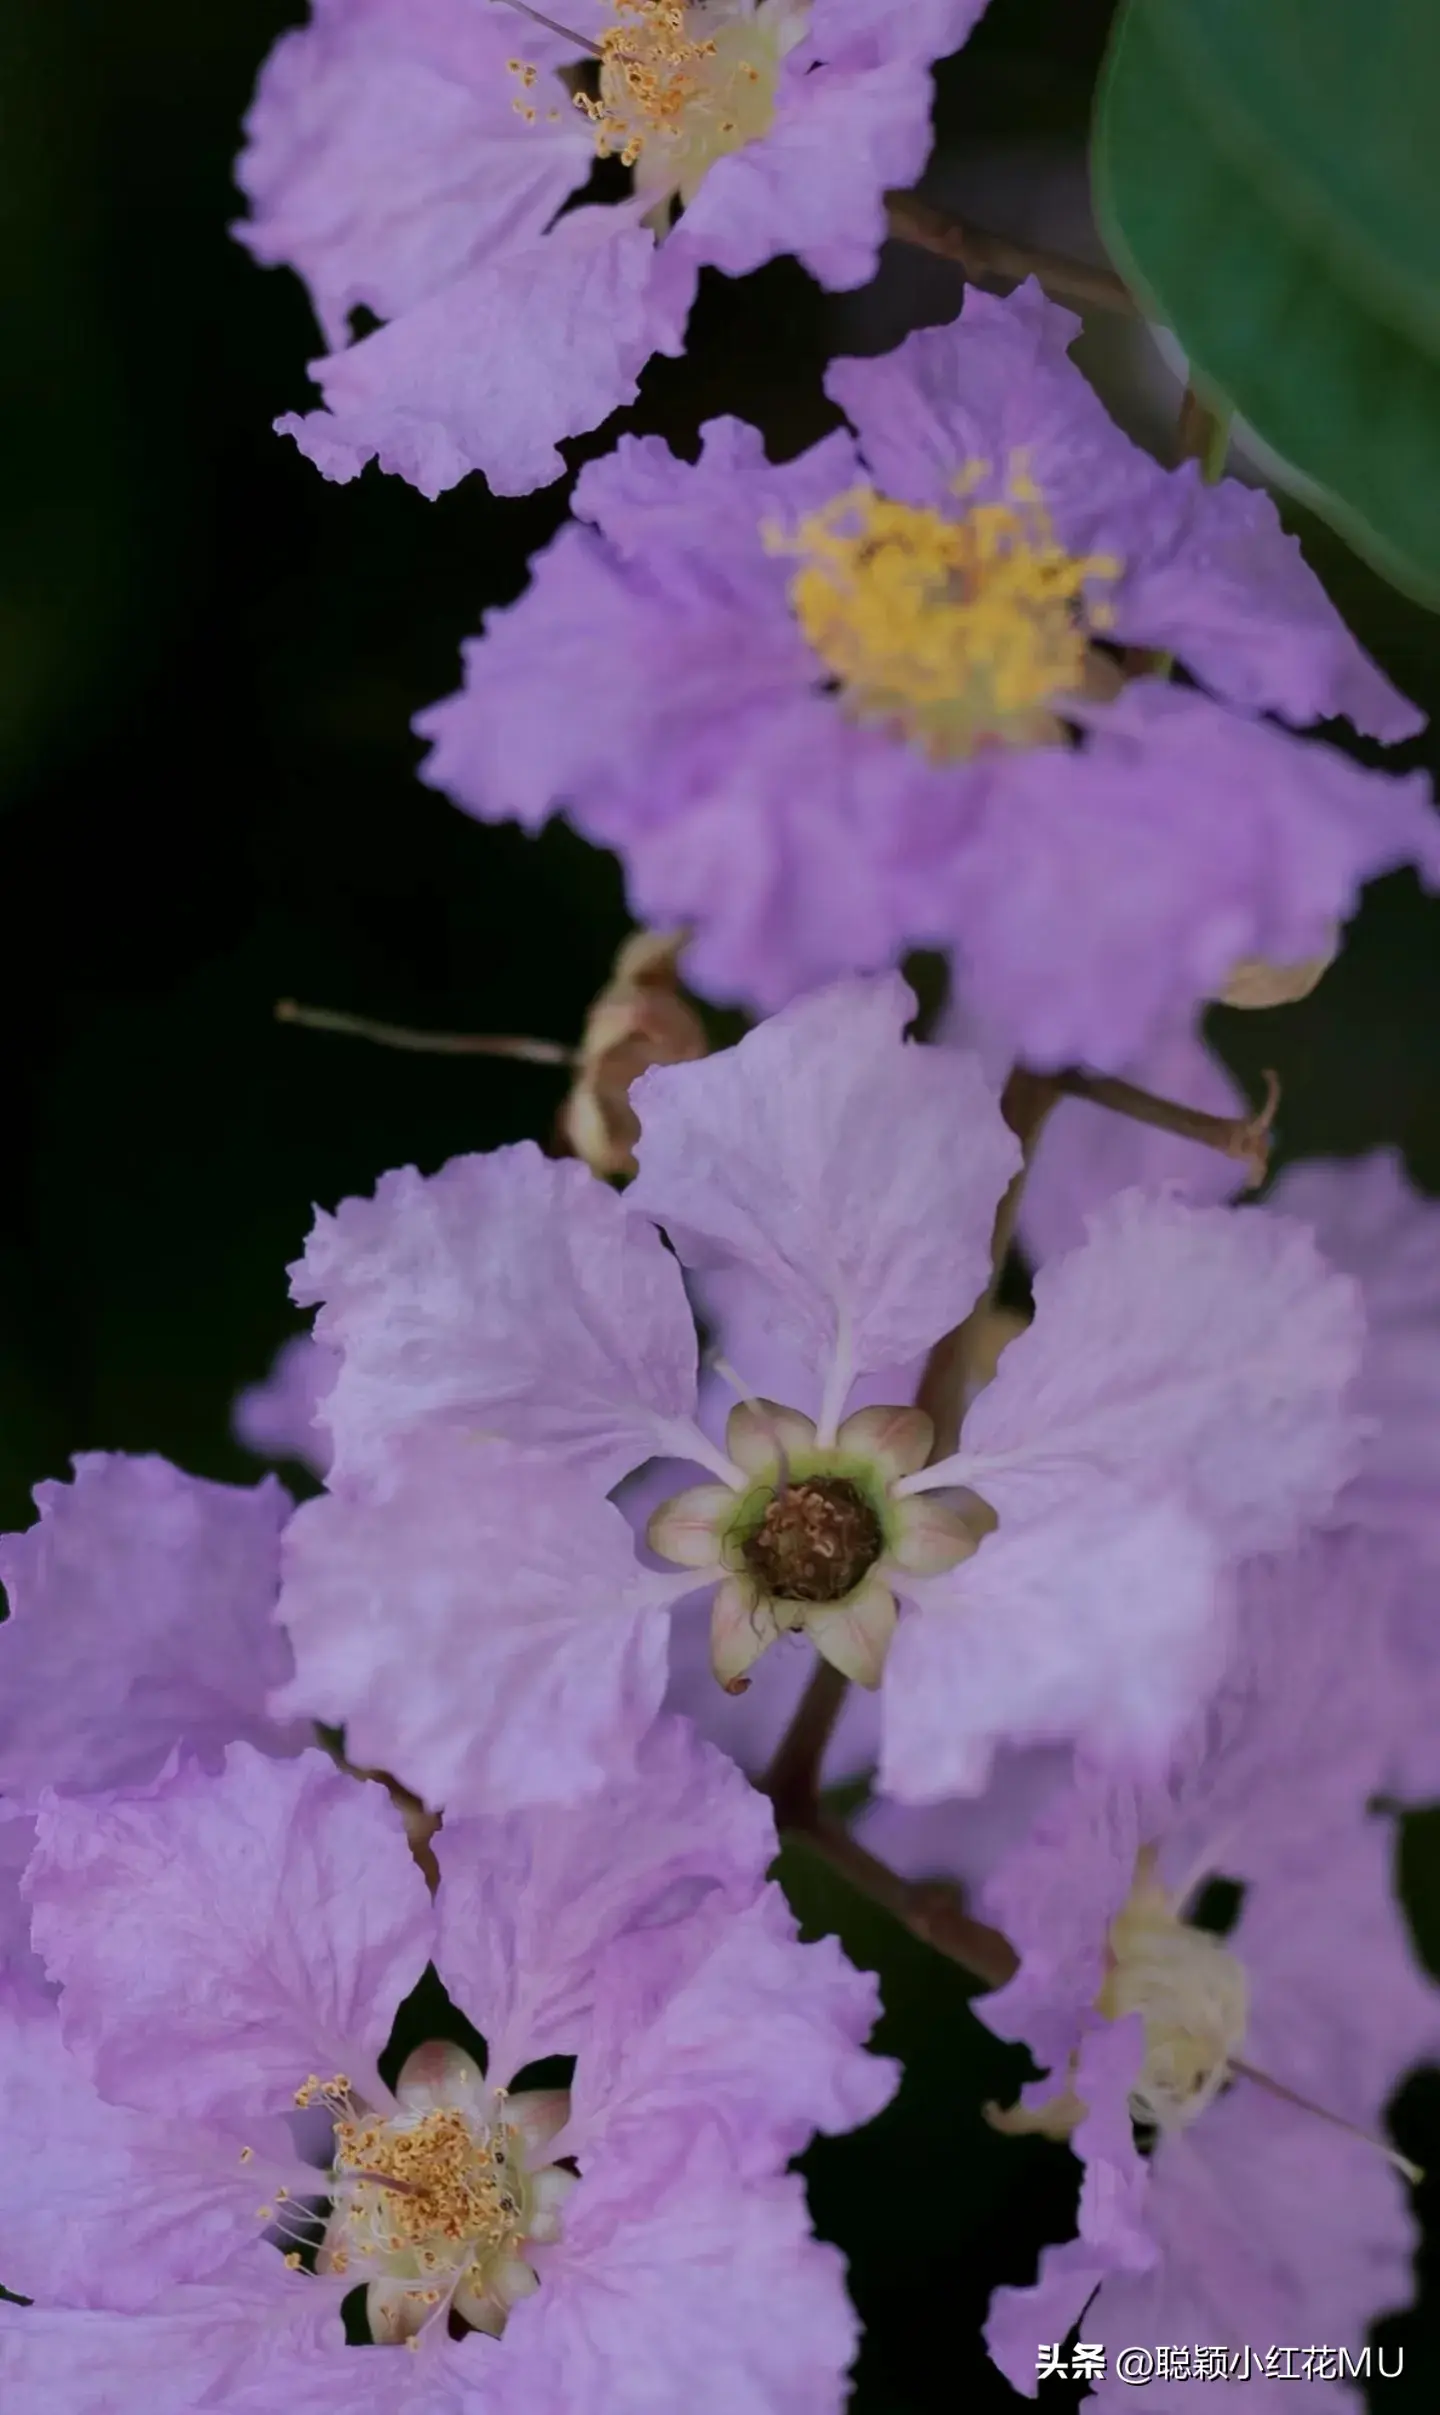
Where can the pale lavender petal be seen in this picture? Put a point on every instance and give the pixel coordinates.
(500, 366)
(929, 28)
(1020, 2319)
(220, 1939)
(18, 1960)
(851, 1176)
(1272, 2228)
(384, 156)
(529, 1905)
(1181, 839)
(482, 1628)
(141, 1617)
(815, 186)
(1369, 1220)
(106, 2207)
(211, 2342)
(965, 1838)
(507, 1295)
(1192, 1350)
(1216, 580)
(768, 2034)
(1104, 1619)
(702, 2273)
(280, 1417)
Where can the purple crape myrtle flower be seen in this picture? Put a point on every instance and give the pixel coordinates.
(515, 1340)
(141, 1617)
(872, 698)
(1257, 2060)
(282, 1416)
(417, 159)
(232, 1951)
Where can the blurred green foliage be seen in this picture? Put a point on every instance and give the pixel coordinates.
(1266, 176)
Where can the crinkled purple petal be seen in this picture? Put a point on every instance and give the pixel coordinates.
(1104, 1619)
(141, 1617)
(739, 799)
(1020, 2319)
(18, 1960)
(507, 1295)
(1272, 2228)
(220, 1939)
(384, 156)
(1216, 580)
(1206, 571)
(1190, 1351)
(493, 372)
(929, 29)
(815, 185)
(279, 1418)
(529, 1905)
(209, 2347)
(764, 2032)
(1369, 1220)
(106, 2207)
(851, 1176)
(482, 1629)
(698, 2293)
(1180, 840)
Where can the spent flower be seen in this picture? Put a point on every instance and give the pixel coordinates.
(515, 1340)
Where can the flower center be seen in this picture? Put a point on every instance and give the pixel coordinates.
(814, 1542)
(434, 2192)
(682, 83)
(438, 2203)
(1191, 1992)
(955, 632)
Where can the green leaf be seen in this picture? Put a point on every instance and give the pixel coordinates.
(1265, 177)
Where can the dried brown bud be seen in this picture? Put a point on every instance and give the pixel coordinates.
(641, 1018)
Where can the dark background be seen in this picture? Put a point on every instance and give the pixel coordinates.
(208, 664)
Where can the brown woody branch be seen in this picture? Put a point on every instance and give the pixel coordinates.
(985, 257)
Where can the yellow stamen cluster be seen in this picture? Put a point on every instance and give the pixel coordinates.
(674, 98)
(958, 630)
(333, 2092)
(428, 2185)
(649, 75)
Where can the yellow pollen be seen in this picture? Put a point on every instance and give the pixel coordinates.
(679, 87)
(956, 631)
(436, 2179)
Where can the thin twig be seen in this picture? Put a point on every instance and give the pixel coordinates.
(929, 1909)
(793, 1779)
(983, 255)
(1243, 1137)
(1202, 433)
(423, 1043)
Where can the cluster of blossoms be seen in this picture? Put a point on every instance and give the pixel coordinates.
(452, 2065)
